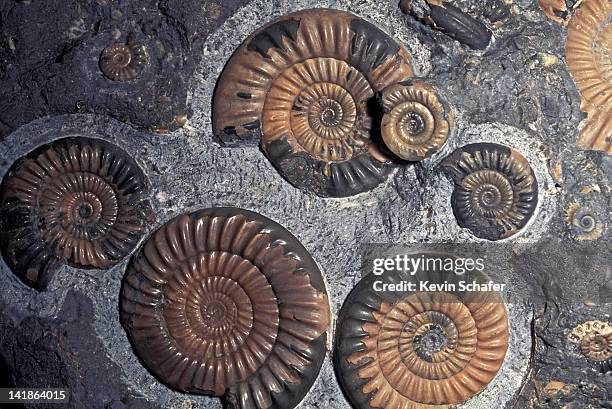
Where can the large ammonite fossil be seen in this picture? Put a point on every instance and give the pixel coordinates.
(306, 84)
(496, 191)
(589, 58)
(417, 122)
(594, 340)
(412, 349)
(77, 201)
(226, 302)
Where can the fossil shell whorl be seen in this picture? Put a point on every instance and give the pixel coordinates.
(225, 301)
(496, 191)
(123, 62)
(80, 201)
(594, 340)
(416, 123)
(304, 83)
(589, 58)
(415, 350)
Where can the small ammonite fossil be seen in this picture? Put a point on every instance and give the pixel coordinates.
(305, 84)
(123, 62)
(226, 302)
(78, 201)
(408, 350)
(417, 122)
(594, 340)
(496, 191)
(589, 58)
(582, 224)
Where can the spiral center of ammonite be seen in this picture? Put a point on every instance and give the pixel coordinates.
(490, 197)
(431, 338)
(331, 112)
(122, 57)
(587, 223)
(83, 206)
(414, 123)
(598, 344)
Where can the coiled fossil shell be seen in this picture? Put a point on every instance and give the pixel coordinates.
(594, 340)
(496, 191)
(582, 224)
(589, 58)
(226, 302)
(123, 62)
(409, 350)
(80, 201)
(305, 83)
(416, 123)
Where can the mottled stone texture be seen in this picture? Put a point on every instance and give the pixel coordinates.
(518, 93)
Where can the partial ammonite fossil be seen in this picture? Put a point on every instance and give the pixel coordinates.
(226, 302)
(409, 350)
(556, 10)
(417, 122)
(594, 340)
(496, 191)
(305, 84)
(443, 16)
(589, 58)
(123, 62)
(77, 201)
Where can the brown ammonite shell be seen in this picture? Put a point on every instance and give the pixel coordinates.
(409, 350)
(417, 122)
(77, 201)
(304, 83)
(594, 340)
(589, 58)
(496, 191)
(224, 301)
(123, 62)
(582, 224)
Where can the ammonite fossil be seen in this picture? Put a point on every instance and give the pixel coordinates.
(77, 201)
(496, 191)
(226, 302)
(594, 340)
(589, 58)
(305, 83)
(409, 350)
(416, 123)
(556, 10)
(582, 224)
(443, 16)
(123, 62)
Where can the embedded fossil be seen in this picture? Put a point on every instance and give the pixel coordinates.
(398, 350)
(556, 10)
(226, 302)
(451, 20)
(416, 123)
(304, 83)
(123, 62)
(496, 191)
(594, 340)
(583, 225)
(80, 201)
(589, 58)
